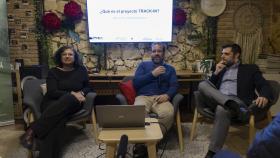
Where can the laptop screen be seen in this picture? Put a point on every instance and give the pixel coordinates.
(120, 116)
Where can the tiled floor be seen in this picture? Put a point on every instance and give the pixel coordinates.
(84, 145)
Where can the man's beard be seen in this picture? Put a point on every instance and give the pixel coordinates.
(157, 60)
(229, 62)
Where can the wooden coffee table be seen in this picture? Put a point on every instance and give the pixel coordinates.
(149, 135)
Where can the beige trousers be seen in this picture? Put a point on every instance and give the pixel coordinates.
(165, 111)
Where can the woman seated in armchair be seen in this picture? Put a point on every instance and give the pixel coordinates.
(67, 86)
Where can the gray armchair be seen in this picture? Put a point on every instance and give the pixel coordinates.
(32, 98)
(255, 116)
(176, 100)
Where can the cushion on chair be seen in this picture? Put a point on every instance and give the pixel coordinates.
(128, 91)
(44, 88)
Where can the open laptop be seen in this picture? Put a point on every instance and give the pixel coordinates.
(120, 116)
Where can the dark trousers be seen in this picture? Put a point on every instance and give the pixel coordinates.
(54, 143)
(49, 128)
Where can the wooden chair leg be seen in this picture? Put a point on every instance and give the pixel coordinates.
(30, 119)
(84, 123)
(30, 154)
(94, 123)
(269, 116)
(193, 124)
(251, 129)
(179, 130)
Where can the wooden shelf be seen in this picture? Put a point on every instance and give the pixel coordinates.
(106, 82)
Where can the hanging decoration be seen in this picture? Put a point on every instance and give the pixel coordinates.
(62, 25)
(72, 15)
(73, 11)
(51, 22)
(179, 17)
(248, 21)
(213, 7)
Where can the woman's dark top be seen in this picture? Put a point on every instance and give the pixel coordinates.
(61, 82)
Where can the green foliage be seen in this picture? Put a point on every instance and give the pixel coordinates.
(98, 49)
(75, 36)
(44, 44)
(205, 65)
(44, 37)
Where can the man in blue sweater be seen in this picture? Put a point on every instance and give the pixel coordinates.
(156, 83)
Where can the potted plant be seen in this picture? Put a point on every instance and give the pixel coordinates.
(98, 50)
(206, 65)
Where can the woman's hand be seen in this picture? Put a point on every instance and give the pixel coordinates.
(78, 96)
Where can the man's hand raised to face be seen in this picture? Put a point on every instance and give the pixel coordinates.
(219, 67)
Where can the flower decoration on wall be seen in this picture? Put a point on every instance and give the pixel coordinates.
(71, 15)
(51, 22)
(179, 17)
(73, 11)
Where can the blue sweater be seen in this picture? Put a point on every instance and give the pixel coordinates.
(147, 85)
(267, 141)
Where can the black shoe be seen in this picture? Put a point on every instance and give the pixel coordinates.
(253, 108)
(26, 140)
(242, 113)
(233, 106)
(210, 154)
(140, 151)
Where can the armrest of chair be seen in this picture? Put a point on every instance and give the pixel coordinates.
(86, 110)
(89, 103)
(33, 105)
(275, 87)
(32, 96)
(121, 99)
(176, 101)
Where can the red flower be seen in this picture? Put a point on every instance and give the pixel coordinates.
(179, 17)
(51, 21)
(73, 11)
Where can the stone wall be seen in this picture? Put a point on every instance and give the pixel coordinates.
(181, 53)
